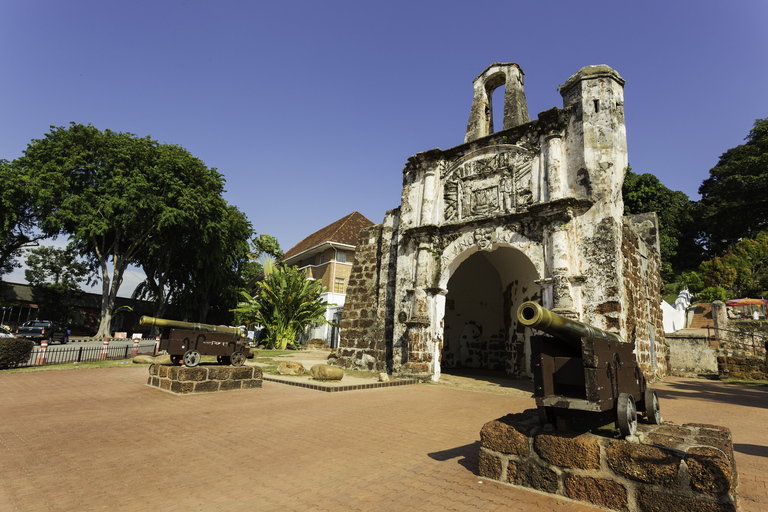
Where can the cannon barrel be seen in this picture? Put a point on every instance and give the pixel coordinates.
(534, 315)
(161, 322)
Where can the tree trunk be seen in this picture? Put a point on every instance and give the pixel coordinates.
(109, 289)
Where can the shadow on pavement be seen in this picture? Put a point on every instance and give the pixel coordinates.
(466, 454)
(751, 449)
(713, 391)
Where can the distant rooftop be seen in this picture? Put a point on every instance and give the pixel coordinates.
(343, 231)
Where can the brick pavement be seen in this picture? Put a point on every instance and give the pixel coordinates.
(103, 440)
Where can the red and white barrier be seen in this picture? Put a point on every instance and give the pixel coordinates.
(136, 340)
(41, 355)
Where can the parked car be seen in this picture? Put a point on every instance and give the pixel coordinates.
(39, 330)
(5, 333)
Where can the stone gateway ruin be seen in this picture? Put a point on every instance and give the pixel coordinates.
(532, 212)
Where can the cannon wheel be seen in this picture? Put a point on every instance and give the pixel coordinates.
(651, 402)
(176, 360)
(191, 358)
(626, 415)
(238, 359)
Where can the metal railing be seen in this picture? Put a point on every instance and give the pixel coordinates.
(42, 356)
(758, 342)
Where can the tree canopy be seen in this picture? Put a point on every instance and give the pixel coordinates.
(55, 276)
(644, 193)
(112, 193)
(21, 209)
(734, 198)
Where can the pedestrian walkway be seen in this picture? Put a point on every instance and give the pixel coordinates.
(103, 440)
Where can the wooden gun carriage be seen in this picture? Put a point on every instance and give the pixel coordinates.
(189, 341)
(581, 371)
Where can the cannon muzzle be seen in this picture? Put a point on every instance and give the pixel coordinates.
(161, 322)
(534, 315)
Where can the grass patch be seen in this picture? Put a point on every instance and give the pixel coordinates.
(111, 363)
(757, 383)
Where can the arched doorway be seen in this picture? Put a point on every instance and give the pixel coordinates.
(480, 328)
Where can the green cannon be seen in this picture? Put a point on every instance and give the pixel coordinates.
(189, 341)
(581, 371)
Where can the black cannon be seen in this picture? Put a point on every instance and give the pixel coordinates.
(189, 341)
(580, 371)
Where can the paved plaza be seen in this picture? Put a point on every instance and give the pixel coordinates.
(103, 440)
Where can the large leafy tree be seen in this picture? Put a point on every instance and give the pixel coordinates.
(112, 192)
(285, 303)
(21, 207)
(216, 276)
(734, 198)
(743, 269)
(188, 254)
(55, 275)
(644, 193)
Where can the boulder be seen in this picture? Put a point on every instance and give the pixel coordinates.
(163, 359)
(147, 359)
(317, 344)
(291, 368)
(383, 377)
(326, 372)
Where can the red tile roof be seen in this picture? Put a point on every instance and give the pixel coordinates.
(343, 231)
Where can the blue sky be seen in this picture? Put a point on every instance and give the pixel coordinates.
(310, 109)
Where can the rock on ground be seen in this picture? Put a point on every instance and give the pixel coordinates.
(326, 372)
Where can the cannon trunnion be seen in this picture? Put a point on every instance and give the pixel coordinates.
(187, 342)
(580, 371)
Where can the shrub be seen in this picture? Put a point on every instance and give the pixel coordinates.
(712, 294)
(14, 351)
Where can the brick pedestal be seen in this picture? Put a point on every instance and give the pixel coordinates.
(674, 468)
(203, 379)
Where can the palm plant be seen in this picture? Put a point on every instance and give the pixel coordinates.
(285, 304)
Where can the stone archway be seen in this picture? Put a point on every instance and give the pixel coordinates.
(480, 328)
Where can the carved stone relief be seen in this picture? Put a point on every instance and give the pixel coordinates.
(487, 186)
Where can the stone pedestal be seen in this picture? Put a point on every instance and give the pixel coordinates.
(203, 379)
(669, 467)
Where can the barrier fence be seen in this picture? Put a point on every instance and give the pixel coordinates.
(45, 355)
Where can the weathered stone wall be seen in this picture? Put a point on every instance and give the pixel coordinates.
(203, 379)
(690, 353)
(689, 467)
(642, 313)
(535, 211)
(741, 368)
(362, 336)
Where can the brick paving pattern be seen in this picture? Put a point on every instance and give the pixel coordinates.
(103, 440)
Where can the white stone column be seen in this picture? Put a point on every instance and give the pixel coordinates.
(555, 158)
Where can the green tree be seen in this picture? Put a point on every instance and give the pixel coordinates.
(183, 263)
(734, 198)
(742, 270)
(55, 276)
(112, 192)
(285, 304)
(217, 276)
(21, 207)
(262, 246)
(644, 193)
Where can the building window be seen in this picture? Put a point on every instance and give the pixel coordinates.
(341, 256)
(338, 285)
(320, 258)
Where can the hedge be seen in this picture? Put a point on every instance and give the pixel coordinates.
(14, 351)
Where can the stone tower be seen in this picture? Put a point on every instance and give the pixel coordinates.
(531, 212)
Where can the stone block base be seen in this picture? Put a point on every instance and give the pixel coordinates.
(203, 379)
(665, 468)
